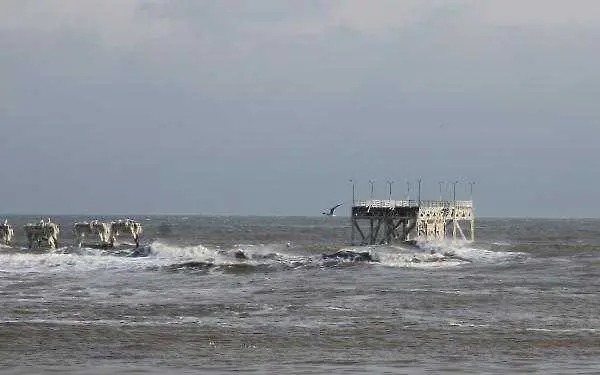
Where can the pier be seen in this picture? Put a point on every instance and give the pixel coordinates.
(389, 221)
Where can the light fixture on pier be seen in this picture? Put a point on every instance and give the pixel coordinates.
(390, 182)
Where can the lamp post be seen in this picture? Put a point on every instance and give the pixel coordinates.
(407, 190)
(389, 182)
(419, 194)
(352, 234)
(372, 182)
(471, 183)
(441, 183)
(454, 190)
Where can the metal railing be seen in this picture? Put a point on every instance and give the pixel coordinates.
(387, 203)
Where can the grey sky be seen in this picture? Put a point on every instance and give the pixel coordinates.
(269, 107)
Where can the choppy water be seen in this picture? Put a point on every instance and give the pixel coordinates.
(523, 298)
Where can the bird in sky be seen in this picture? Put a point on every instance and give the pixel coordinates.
(332, 210)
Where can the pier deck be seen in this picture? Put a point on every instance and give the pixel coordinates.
(389, 221)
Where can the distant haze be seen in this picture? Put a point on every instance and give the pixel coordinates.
(269, 107)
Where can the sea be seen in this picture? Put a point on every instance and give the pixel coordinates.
(523, 298)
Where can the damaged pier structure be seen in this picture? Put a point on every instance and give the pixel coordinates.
(389, 221)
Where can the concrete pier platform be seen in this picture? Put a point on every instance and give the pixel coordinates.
(377, 221)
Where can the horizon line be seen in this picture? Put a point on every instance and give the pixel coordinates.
(274, 215)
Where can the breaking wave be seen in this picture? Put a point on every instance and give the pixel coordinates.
(156, 256)
(440, 254)
(243, 258)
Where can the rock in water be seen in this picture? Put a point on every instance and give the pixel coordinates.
(355, 256)
(239, 254)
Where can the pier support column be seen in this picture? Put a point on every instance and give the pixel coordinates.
(454, 223)
(352, 229)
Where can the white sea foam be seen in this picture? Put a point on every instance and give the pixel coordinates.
(87, 259)
(564, 330)
(261, 250)
(439, 254)
(465, 251)
(164, 252)
(426, 255)
(273, 253)
(22, 262)
(69, 259)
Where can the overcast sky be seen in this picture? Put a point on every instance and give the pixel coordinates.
(269, 107)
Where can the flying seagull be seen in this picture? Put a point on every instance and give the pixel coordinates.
(331, 210)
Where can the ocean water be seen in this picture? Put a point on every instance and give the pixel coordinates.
(524, 298)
